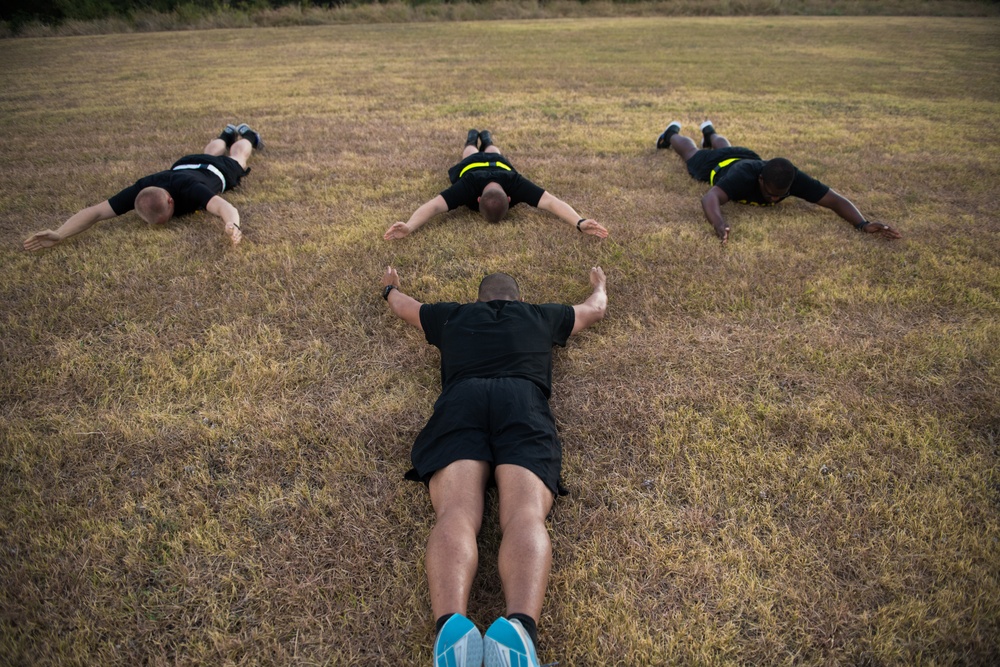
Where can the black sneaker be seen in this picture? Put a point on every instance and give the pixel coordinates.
(472, 138)
(229, 135)
(251, 135)
(485, 140)
(663, 141)
(706, 132)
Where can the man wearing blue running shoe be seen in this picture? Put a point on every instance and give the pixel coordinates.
(194, 182)
(491, 423)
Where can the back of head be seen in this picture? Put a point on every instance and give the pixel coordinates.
(493, 204)
(153, 205)
(778, 173)
(499, 287)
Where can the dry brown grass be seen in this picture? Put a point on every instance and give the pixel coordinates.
(781, 452)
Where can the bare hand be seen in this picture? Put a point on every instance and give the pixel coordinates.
(235, 233)
(881, 229)
(390, 277)
(723, 233)
(398, 230)
(597, 278)
(593, 228)
(39, 240)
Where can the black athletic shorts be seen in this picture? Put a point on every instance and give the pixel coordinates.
(499, 420)
(455, 172)
(701, 164)
(230, 168)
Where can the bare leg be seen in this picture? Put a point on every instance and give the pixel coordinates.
(719, 141)
(458, 494)
(241, 151)
(216, 147)
(492, 148)
(469, 150)
(525, 550)
(684, 146)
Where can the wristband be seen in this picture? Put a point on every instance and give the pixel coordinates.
(578, 224)
(861, 225)
(386, 290)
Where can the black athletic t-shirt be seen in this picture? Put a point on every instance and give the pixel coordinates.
(497, 339)
(740, 183)
(467, 189)
(191, 190)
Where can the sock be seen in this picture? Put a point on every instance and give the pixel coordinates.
(229, 136)
(529, 625)
(440, 623)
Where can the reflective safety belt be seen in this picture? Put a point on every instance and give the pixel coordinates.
(719, 167)
(482, 165)
(209, 167)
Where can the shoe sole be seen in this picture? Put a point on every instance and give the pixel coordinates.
(503, 646)
(459, 644)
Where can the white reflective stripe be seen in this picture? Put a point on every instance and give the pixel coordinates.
(211, 168)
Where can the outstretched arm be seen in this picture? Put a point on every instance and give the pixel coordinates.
(843, 207)
(426, 211)
(592, 310)
(565, 212)
(402, 306)
(220, 207)
(79, 222)
(712, 203)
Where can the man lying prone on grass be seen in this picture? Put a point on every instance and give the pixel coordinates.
(492, 421)
(193, 183)
(739, 174)
(485, 181)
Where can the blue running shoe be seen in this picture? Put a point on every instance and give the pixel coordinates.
(459, 644)
(507, 644)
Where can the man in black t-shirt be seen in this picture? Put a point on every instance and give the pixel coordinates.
(487, 182)
(739, 174)
(192, 183)
(492, 419)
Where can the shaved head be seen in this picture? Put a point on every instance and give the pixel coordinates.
(493, 204)
(153, 205)
(499, 287)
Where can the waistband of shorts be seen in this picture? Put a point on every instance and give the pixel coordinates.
(207, 167)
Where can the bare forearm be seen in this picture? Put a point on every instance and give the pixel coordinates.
(79, 222)
(713, 213)
(843, 207)
(558, 208)
(427, 211)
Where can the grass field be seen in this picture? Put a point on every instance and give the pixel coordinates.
(784, 451)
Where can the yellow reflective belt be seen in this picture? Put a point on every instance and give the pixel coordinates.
(718, 168)
(480, 165)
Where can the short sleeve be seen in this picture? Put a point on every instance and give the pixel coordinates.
(124, 201)
(460, 194)
(806, 187)
(524, 191)
(433, 317)
(561, 319)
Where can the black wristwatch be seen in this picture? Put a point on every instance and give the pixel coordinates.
(386, 290)
(578, 222)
